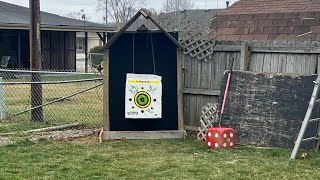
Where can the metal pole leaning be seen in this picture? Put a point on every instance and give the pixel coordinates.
(306, 119)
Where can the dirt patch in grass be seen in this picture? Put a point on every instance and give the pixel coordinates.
(91, 139)
(64, 135)
(5, 141)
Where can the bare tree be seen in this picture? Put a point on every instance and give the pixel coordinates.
(120, 10)
(152, 11)
(177, 5)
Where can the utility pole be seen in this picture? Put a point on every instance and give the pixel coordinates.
(83, 17)
(35, 60)
(106, 12)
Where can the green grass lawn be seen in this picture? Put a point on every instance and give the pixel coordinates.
(149, 159)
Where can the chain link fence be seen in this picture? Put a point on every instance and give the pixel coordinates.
(37, 99)
(95, 60)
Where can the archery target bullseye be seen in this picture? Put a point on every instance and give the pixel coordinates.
(143, 96)
(142, 99)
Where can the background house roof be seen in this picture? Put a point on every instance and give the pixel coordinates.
(177, 21)
(269, 20)
(17, 17)
(272, 6)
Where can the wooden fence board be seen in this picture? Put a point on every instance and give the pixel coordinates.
(275, 63)
(267, 58)
(187, 72)
(290, 63)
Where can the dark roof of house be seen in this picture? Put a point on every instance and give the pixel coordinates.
(176, 21)
(269, 20)
(17, 17)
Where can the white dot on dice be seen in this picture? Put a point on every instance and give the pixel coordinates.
(216, 135)
(231, 134)
(209, 143)
(216, 145)
(231, 143)
(225, 135)
(224, 144)
(209, 134)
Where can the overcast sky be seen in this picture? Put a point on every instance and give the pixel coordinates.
(65, 6)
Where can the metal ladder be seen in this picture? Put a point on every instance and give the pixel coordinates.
(307, 120)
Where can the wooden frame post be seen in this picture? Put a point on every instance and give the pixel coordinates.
(180, 83)
(106, 120)
(244, 61)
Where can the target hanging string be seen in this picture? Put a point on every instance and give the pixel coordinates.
(133, 53)
(153, 59)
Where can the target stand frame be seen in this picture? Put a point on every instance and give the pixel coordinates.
(106, 134)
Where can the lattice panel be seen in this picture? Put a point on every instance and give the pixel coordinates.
(197, 40)
(210, 115)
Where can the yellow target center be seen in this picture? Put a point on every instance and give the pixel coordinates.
(142, 99)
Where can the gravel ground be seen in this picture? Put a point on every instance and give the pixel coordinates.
(55, 135)
(5, 141)
(66, 134)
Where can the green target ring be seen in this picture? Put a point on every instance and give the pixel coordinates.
(142, 99)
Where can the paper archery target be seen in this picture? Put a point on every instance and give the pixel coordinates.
(143, 96)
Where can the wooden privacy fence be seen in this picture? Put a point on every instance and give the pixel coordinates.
(202, 79)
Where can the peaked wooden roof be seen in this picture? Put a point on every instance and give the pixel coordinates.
(144, 13)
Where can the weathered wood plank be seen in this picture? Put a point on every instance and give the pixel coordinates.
(194, 73)
(244, 60)
(267, 62)
(299, 64)
(256, 63)
(180, 83)
(191, 128)
(106, 118)
(283, 62)
(193, 120)
(112, 135)
(209, 73)
(311, 64)
(187, 71)
(199, 72)
(290, 63)
(237, 61)
(186, 109)
(275, 63)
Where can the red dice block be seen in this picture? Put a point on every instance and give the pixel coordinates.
(217, 138)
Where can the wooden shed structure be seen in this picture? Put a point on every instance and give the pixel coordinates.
(167, 57)
(58, 38)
